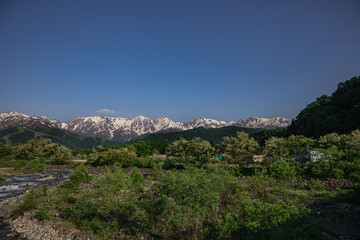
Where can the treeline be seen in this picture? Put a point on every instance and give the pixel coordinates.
(212, 135)
(34, 154)
(337, 155)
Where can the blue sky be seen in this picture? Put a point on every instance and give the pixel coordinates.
(180, 59)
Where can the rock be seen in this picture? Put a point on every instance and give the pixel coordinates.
(25, 227)
(6, 205)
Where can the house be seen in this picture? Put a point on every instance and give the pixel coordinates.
(308, 154)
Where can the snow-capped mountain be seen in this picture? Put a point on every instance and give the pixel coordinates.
(205, 122)
(125, 129)
(15, 119)
(120, 129)
(268, 123)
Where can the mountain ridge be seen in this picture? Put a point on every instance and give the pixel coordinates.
(14, 135)
(126, 129)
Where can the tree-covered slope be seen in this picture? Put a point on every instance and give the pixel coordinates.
(339, 112)
(71, 140)
(213, 135)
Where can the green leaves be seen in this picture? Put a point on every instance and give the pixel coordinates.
(80, 175)
(242, 144)
(122, 156)
(196, 151)
(339, 112)
(281, 169)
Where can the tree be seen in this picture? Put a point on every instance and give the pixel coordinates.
(178, 149)
(242, 144)
(62, 155)
(339, 112)
(294, 143)
(352, 144)
(275, 148)
(281, 169)
(196, 151)
(331, 139)
(143, 149)
(200, 151)
(116, 156)
(34, 149)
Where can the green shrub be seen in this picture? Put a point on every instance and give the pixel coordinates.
(316, 185)
(111, 205)
(170, 163)
(281, 169)
(157, 172)
(354, 172)
(180, 205)
(123, 157)
(137, 179)
(42, 214)
(189, 204)
(226, 226)
(31, 201)
(80, 175)
(30, 166)
(336, 173)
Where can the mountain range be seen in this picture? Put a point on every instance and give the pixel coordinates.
(126, 129)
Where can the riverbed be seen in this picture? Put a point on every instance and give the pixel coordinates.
(16, 185)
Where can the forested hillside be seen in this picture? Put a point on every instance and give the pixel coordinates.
(213, 135)
(68, 139)
(339, 112)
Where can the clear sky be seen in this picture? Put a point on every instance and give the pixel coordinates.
(180, 59)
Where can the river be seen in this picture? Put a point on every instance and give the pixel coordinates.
(16, 185)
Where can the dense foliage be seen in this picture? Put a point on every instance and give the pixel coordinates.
(242, 144)
(32, 156)
(339, 112)
(191, 204)
(197, 151)
(331, 156)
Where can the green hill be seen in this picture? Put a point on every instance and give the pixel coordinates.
(339, 112)
(68, 139)
(213, 135)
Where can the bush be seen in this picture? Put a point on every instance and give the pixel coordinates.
(30, 166)
(31, 201)
(281, 169)
(109, 206)
(80, 175)
(189, 204)
(170, 163)
(122, 156)
(157, 172)
(42, 214)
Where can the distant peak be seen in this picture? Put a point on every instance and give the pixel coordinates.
(141, 117)
(8, 114)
